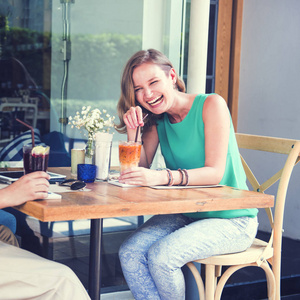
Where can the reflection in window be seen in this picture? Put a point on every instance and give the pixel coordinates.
(25, 62)
(101, 36)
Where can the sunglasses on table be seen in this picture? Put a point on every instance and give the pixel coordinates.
(74, 184)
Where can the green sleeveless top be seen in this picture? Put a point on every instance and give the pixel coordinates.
(182, 146)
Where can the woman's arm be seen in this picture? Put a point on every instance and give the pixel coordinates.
(142, 175)
(133, 118)
(150, 144)
(216, 120)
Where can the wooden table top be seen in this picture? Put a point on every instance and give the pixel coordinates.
(107, 200)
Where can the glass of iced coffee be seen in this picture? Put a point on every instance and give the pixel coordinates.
(129, 154)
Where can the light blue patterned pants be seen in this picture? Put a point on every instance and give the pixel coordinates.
(152, 257)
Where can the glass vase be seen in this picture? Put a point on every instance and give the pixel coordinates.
(90, 151)
(103, 143)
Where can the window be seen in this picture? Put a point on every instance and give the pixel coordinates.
(212, 41)
(66, 54)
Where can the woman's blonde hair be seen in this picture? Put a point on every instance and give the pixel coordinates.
(127, 98)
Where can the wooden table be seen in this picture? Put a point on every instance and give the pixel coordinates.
(108, 201)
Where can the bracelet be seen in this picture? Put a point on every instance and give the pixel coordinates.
(171, 179)
(182, 176)
(187, 176)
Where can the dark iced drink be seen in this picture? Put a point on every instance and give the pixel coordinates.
(35, 159)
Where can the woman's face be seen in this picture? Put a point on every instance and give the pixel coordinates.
(153, 88)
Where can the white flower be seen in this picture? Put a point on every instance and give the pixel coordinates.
(92, 121)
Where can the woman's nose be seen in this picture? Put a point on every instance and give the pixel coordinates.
(148, 92)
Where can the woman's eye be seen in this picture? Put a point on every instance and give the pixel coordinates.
(155, 81)
(136, 90)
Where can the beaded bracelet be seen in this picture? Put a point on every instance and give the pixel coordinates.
(182, 176)
(187, 176)
(171, 179)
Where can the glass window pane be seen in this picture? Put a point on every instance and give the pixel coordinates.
(25, 57)
(211, 40)
(103, 35)
(209, 85)
(211, 49)
(69, 55)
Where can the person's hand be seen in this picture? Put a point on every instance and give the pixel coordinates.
(143, 176)
(29, 187)
(133, 117)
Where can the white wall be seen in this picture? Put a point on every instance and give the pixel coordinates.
(269, 101)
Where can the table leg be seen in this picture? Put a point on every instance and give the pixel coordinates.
(95, 259)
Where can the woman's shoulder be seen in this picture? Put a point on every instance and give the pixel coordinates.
(215, 107)
(207, 97)
(215, 101)
(209, 101)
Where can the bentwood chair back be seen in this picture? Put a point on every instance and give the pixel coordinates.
(266, 255)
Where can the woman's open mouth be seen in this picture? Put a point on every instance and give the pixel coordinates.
(156, 101)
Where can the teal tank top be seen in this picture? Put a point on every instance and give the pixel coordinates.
(174, 139)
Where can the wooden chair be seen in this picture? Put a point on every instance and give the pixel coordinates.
(260, 254)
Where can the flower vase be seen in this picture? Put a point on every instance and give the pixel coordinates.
(103, 142)
(90, 152)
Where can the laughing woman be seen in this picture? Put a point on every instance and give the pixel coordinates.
(198, 144)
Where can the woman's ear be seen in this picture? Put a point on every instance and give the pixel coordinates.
(173, 75)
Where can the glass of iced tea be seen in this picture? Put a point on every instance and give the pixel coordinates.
(36, 158)
(129, 154)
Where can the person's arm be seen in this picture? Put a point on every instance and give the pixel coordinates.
(133, 119)
(29, 187)
(150, 144)
(142, 175)
(216, 120)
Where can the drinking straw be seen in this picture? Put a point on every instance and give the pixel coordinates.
(31, 128)
(137, 130)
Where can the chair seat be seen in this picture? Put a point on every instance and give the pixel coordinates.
(248, 256)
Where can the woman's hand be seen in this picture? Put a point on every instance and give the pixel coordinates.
(133, 118)
(143, 176)
(29, 187)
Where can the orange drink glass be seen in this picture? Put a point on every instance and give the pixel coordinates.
(129, 154)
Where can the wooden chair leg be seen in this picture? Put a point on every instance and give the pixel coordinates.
(210, 282)
(271, 283)
(223, 280)
(268, 272)
(198, 280)
(218, 271)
